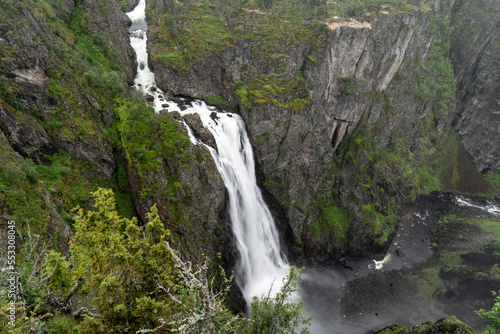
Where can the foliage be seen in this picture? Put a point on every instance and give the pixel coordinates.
(492, 315)
(137, 280)
(242, 93)
(21, 322)
(121, 267)
(436, 83)
(147, 139)
(333, 222)
(279, 314)
(349, 85)
(138, 283)
(216, 100)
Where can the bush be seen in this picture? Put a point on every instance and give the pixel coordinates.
(279, 314)
(12, 173)
(492, 315)
(31, 173)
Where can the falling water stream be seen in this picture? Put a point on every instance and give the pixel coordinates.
(261, 264)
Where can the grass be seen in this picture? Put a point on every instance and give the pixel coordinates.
(216, 100)
(243, 95)
(334, 221)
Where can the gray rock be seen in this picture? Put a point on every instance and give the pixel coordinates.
(196, 125)
(175, 114)
(475, 46)
(295, 148)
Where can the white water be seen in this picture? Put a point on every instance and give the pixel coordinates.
(261, 265)
(261, 262)
(490, 207)
(145, 79)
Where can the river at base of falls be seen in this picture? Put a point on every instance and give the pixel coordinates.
(330, 289)
(356, 295)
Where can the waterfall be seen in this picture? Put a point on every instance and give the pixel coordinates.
(261, 264)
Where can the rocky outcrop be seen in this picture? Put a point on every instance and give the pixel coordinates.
(62, 65)
(34, 61)
(194, 122)
(188, 191)
(31, 140)
(475, 46)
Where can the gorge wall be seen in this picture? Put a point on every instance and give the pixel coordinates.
(347, 123)
(475, 46)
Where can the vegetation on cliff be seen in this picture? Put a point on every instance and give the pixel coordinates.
(125, 277)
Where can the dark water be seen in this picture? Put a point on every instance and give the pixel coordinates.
(368, 294)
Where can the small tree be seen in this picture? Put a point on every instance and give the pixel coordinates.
(279, 314)
(492, 315)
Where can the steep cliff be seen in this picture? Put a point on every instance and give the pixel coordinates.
(53, 118)
(475, 46)
(63, 115)
(346, 119)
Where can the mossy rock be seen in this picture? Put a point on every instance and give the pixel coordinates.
(449, 325)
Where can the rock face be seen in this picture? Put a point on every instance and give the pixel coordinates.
(36, 72)
(475, 46)
(303, 97)
(194, 122)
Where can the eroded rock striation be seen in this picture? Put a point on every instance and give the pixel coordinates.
(475, 45)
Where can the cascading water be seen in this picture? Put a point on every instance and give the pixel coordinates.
(261, 261)
(145, 79)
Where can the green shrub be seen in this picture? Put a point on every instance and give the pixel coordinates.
(31, 173)
(242, 93)
(62, 324)
(492, 315)
(13, 173)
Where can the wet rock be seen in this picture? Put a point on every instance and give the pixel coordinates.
(153, 89)
(149, 98)
(400, 253)
(195, 123)
(175, 114)
(126, 21)
(165, 105)
(128, 5)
